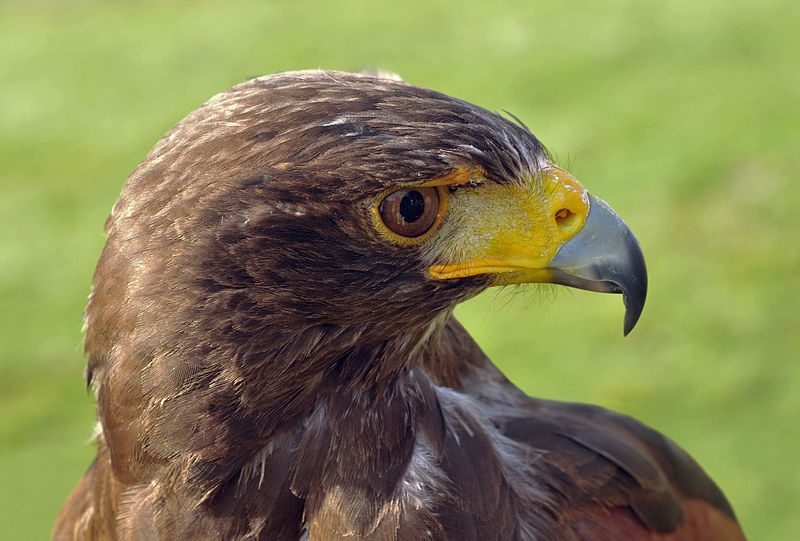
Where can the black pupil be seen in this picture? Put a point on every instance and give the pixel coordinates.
(412, 206)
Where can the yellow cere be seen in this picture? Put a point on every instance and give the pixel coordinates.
(510, 231)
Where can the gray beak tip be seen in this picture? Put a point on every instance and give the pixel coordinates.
(634, 287)
(605, 256)
(634, 305)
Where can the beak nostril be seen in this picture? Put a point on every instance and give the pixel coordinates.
(566, 220)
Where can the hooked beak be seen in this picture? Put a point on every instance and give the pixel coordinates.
(547, 230)
(604, 256)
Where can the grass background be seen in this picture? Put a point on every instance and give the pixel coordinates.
(684, 115)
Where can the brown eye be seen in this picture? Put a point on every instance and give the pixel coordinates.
(410, 212)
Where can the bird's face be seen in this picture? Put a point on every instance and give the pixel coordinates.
(544, 228)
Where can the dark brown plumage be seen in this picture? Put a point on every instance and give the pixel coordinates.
(272, 347)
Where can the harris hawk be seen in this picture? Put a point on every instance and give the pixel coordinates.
(272, 347)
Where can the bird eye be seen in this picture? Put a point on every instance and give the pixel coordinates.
(410, 212)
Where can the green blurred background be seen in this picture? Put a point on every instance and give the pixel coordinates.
(684, 115)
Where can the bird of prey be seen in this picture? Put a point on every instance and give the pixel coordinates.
(272, 347)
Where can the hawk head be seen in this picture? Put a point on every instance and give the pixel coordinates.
(313, 227)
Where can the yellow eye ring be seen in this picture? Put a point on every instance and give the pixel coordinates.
(409, 214)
